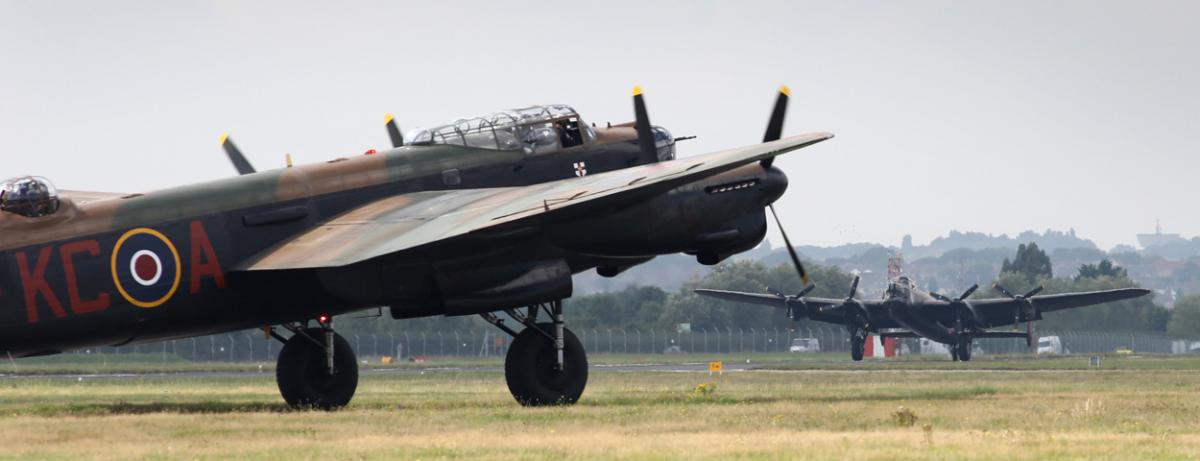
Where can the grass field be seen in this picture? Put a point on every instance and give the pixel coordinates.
(818, 407)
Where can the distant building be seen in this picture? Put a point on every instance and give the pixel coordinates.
(1158, 238)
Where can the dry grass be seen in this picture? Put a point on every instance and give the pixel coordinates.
(832, 414)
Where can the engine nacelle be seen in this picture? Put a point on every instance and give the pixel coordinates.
(713, 219)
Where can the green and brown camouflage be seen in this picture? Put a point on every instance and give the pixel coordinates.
(428, 229)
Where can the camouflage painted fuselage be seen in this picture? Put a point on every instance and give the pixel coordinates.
(166, 264)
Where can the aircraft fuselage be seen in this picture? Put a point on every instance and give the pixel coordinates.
(164, 264)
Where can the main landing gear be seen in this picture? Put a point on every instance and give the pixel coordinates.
(961, 349)
(546, 363)
(858, 343)
(316, 367)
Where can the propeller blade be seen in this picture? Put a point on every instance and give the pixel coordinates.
(1035, 291)
(775, 124)
(940, 297)
(242, 165)
(791, 251)
(1003, 291)
(967, 294)
(805, 291)
(393, 130)
(853, 287)
(649, 152)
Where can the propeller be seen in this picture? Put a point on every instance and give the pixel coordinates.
(1024, 304)
(961, 306)
(796, 307)
(856, 314)
(791, 251)
(646, 146)
(242, 165)
(393, 130)
(775, 124)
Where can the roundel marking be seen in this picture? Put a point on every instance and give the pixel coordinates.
(146, 267)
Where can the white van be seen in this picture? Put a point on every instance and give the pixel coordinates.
(805, 345)
(1051, 345)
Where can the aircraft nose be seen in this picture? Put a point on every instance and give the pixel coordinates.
(774, 184)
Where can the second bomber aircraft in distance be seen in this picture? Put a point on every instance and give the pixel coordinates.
(908, 312)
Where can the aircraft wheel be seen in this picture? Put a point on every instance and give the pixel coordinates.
(303, 376)
(858, 345)
(530, 368)
(963, 349)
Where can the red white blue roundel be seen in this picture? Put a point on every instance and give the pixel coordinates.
(145, 267)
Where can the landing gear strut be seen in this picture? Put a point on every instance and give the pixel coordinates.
(316, 368)
(546, 363)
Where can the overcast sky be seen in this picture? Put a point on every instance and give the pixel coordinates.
(993, 117)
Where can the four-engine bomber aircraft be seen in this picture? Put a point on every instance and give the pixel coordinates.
(477, 217)
(908, 312)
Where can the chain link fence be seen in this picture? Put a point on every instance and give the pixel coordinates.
(254, 347)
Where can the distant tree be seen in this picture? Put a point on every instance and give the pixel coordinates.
(1030, 261)
(1185, 318)
(1105, 268)
(633, 307)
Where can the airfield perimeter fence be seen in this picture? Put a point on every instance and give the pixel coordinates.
(251, 346)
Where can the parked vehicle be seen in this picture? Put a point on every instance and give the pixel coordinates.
(1051, 345)
(808, 345)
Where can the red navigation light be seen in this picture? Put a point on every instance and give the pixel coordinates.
(370, 152)
(323, 319)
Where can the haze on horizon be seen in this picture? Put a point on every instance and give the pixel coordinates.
(991, 117)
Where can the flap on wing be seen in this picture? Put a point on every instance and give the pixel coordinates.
(411, 220)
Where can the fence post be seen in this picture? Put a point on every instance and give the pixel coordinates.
(624, 341)
(610, 348)
(392, 343)
(250, 341)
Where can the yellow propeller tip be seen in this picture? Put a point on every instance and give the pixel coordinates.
(387, 118)
(637, 90)
(785, 90)
(224, 137)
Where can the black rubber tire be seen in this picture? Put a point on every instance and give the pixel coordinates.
(303, 377)
(963, 349)
(529, 368)
(857, 347)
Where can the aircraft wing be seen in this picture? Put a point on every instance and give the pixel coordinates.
(765, 299)
(408, 221)
(1001, 311)
(820, 309)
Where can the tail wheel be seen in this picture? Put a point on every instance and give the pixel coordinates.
(531, 368)
(302, 371)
